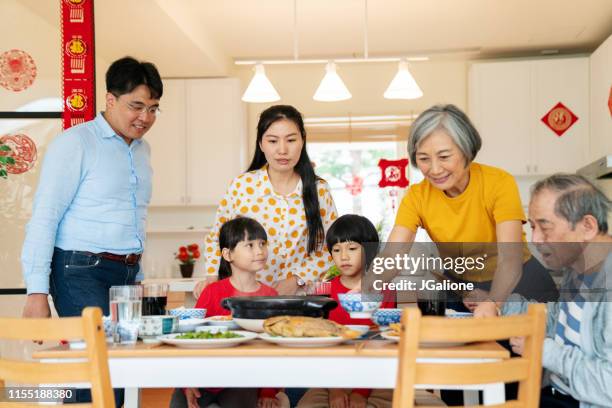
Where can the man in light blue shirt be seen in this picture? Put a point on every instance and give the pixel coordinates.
(87, 230)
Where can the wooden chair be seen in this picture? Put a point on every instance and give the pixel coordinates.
(94, 370)
(525, 370)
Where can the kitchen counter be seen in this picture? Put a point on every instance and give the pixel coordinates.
(176, 284)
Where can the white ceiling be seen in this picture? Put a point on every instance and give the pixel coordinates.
(202, 37)
(246, 28)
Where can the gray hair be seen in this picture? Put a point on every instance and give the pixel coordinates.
(577, 197)
(453, 121)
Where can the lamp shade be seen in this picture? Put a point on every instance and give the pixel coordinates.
(403, 85)
(331, 88)
(260, 88)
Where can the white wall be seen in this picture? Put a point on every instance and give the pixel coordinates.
(601, 90)
(40, 40)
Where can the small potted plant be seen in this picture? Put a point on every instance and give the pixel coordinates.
(187, 256)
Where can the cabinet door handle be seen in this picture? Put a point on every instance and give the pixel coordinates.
(188, 199)
(535, 168)
(528, 166)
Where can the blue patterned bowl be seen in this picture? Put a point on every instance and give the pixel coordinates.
(184, 313)
(358, 308)
(384, 317)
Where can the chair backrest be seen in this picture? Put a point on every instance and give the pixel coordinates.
(93, 370)
(526, 370)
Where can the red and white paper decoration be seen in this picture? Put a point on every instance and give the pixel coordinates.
(17, 70)
(78, 62)
(355, 187)
(393, 173)
(23, 151)
(559, 119)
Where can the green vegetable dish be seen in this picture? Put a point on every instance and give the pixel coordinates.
(331, 273)
(206, 335)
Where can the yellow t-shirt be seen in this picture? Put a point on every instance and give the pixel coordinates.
(490, 198)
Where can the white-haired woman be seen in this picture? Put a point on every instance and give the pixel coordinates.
(461, 201)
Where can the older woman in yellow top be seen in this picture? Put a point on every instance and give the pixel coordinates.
(461, 201)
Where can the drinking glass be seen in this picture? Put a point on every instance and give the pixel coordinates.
(432, 307)
(432, 303)
(318, 288)
(155, 299)
(126, 311)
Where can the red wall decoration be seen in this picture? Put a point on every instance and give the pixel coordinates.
(610, 101)
(23, 151)
(17, 70)
(78, 62)
(355, 187)
(393, 173)
(559, 119)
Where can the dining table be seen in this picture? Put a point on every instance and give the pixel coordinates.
(356, 364)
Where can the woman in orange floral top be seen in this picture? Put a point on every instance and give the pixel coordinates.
(281, 191)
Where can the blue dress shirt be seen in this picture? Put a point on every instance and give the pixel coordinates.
(92, 196)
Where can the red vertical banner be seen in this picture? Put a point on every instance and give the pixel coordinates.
(78, 62)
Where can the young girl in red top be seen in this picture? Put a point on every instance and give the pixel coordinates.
(352, 241)
(244, 252)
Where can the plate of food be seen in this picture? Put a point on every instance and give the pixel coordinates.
(393, 334)
(208, 339)
(303, 341)
(301, 331)
(225, 321)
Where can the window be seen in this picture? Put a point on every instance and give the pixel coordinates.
(352, 171)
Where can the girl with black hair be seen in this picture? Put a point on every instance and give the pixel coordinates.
(244, 252)
(280, 190)
(353, 242)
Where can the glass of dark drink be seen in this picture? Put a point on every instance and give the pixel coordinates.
(432, 307)
(154, 299)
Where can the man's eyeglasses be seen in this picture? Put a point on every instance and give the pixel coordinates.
(141, 108)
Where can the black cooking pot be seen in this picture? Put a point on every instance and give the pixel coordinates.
(262, 307)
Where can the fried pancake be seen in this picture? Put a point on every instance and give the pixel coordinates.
(301, 326)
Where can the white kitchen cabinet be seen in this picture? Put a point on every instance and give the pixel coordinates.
(499, 106)
(507, 101)
(168, 146)
(216, 131)
(566, 81)
(199, 141)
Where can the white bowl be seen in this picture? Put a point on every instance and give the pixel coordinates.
(254, 325)
(211, 329)
(189, 325)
